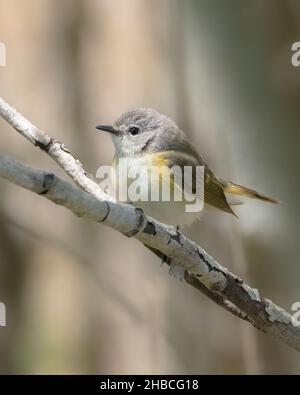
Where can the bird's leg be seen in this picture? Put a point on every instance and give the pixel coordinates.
(164, 260)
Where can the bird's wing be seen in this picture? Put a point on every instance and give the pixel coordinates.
(214, 194)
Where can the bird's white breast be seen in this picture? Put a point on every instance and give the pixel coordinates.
(170, 212)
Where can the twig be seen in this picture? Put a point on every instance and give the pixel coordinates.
(201, 270)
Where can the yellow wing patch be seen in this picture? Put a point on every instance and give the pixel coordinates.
(213, 189)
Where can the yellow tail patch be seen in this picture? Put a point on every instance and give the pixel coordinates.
(236, 189)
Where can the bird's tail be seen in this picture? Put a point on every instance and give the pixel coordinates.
(236, 189)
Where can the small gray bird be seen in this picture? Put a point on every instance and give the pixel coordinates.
(149, 139)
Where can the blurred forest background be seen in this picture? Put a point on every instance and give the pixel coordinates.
(80, 297)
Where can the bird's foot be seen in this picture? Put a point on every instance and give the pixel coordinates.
(164, 260)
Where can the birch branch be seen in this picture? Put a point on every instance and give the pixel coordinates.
(200, 270)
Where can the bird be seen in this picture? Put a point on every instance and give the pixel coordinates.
(147, 139)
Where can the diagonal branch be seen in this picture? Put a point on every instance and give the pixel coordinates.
(200, 270)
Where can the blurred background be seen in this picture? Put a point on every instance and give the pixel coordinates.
(80, 297)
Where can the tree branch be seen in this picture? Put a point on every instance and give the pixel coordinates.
(200, 270)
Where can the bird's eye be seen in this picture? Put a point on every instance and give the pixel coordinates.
(134, 130)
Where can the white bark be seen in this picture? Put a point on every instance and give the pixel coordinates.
(200, 270)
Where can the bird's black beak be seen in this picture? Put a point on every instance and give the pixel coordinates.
(109, 129)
